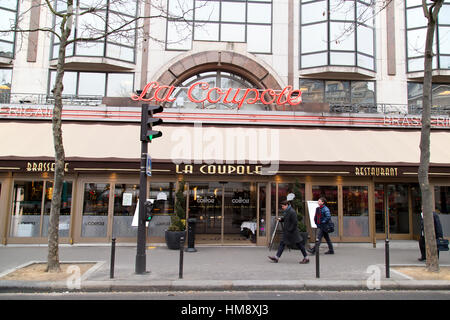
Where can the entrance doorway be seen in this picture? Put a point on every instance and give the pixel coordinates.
(225, 212)
(392, 200)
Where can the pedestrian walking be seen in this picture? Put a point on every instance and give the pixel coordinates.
(322, 218)
(438, 233)
(291, 235)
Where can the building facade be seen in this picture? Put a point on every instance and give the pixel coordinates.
(260, 98)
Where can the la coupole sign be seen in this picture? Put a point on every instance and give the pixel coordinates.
(154, 92)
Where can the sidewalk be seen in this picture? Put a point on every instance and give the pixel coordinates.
(354, 266)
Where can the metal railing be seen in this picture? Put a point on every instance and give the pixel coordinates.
(333, 108)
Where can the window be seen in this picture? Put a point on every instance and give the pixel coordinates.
(95, 210)
(442, 199)
(31, 205)
(416, 31)
(338, 92)
(331, 194)
(328, 36)
(440, 97)
(220, 20)
(5, 85)
(125, 202)
(356, 211)
(108, 16)
(95, 83)
(8, 12)
(219, 79)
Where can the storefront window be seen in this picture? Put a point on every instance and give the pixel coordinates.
(31, 205)
(26, 209)
(442, 206)
(262, 210)
(356, 211)
(125, 201)
(95, 210)
(331, 194)
(442, 199)
(163, 194)
(397, 197)
(64, 213)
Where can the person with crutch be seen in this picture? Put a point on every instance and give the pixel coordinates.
(291, 234)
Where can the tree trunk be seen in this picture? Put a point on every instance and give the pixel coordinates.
(427, 205)
(53, 227)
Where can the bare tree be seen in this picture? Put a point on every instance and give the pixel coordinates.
(75, 13)
(431, 13)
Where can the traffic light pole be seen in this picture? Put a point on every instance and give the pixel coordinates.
(141, 236)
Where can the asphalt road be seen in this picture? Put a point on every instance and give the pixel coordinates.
(236, 295)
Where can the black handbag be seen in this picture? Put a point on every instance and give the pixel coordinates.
(442, 244)
(329, 227)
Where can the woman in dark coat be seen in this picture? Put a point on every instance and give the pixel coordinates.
(291, 235)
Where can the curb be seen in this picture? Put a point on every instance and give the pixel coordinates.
(217, 285)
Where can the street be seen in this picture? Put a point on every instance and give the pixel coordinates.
(235, 295)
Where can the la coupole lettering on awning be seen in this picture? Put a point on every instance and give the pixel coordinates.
(154, 92)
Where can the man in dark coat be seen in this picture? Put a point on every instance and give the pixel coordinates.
(437, 230)
(291, 235)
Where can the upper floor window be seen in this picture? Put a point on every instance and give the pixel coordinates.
(5, 85)
(220, 20)
(337, 33)
(416, 33)
(8, 14)
(440, 97)
(107, 16)
(338, 92)
(95, 84)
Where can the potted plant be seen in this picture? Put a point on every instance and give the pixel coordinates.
(177, 228)
(297, 204)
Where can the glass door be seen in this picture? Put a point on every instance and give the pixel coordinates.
(239, 224)
(225, 212)
(205, 205)
(392, 200)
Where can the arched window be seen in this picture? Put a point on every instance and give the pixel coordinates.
(215, 79)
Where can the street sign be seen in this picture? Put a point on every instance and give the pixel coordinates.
(148, 167)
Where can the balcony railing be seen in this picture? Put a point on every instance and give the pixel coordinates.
(333, 108)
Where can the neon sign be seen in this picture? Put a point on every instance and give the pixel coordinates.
(238, 96)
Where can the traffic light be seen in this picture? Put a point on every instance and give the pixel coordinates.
(148, 206)
(148, 122)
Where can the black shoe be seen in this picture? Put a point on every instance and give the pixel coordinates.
(304, 261)
(422, 259)
(312, 251)
(329, 252)
(274, 259)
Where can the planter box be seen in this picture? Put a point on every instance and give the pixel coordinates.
(173, 239)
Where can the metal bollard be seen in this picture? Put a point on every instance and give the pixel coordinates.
(317, 259)
(180, 274)
(386, 249)
(113, 257)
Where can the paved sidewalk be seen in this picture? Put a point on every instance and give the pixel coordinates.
(355, 266)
